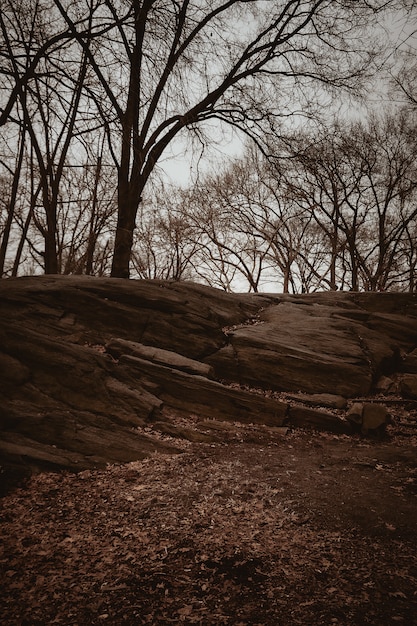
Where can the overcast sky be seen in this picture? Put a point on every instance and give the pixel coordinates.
(185, 160)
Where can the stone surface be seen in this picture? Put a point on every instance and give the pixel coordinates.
(86, 362)
(408, 385)
(328, 400)
(306, 417)
(318, 345)
(118, 347)
(409, 363)
(354, 415)
(374, 417)
(207, 398)
(385, 385)
(368, 417)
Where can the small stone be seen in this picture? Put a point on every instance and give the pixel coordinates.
(374, 417)
(408, 385)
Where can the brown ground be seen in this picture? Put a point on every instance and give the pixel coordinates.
(263, 527)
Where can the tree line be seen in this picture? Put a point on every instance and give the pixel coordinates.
(93, 93)
(337, 209)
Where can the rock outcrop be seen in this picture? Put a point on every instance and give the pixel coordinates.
(320, 343)
(86, 364)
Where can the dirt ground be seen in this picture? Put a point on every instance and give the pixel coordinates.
(261, 527)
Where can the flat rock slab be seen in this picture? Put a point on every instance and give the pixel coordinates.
(307, 417)
(118, 347)
(328, 400)
(207, 398)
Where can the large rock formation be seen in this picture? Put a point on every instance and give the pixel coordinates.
(336, 343)
(87, 363)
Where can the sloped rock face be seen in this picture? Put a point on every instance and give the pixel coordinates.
(321, 343)
(64, 401)
(86, 363)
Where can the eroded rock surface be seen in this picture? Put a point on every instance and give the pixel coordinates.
(321, 343)
(87, 363)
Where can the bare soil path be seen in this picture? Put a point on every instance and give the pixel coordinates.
(266, 527)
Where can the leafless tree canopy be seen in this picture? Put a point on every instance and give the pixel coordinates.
(92, 93)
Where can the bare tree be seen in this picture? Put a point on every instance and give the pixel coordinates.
(336, 209)
(406, 78)
(253, 233)
(32, 34)
(223, 207)
(403, 73)
(86, 213)
(46, 106)
(181, 64)
(386, 147)
(323, 180)
(44, 84)
(149, 71)
(166, 241)
(359, 183)
(10, 199)
(408, 258)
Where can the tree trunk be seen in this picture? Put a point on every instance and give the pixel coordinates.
(122, 252)
(92, 234)
(51, 256)
(286, 285)
(124, 239)
(333, 261)
(12, 203)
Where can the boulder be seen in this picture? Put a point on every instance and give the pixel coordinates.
(385, 385)
(408, 385)
(375, 418)
(181, 317)
(368, 417)
(354, 415)
(80, 445)
(308, 346)
(68, 405)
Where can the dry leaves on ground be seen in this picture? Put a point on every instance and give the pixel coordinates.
(268, 528)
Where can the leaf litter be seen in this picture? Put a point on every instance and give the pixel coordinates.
(258, 527)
